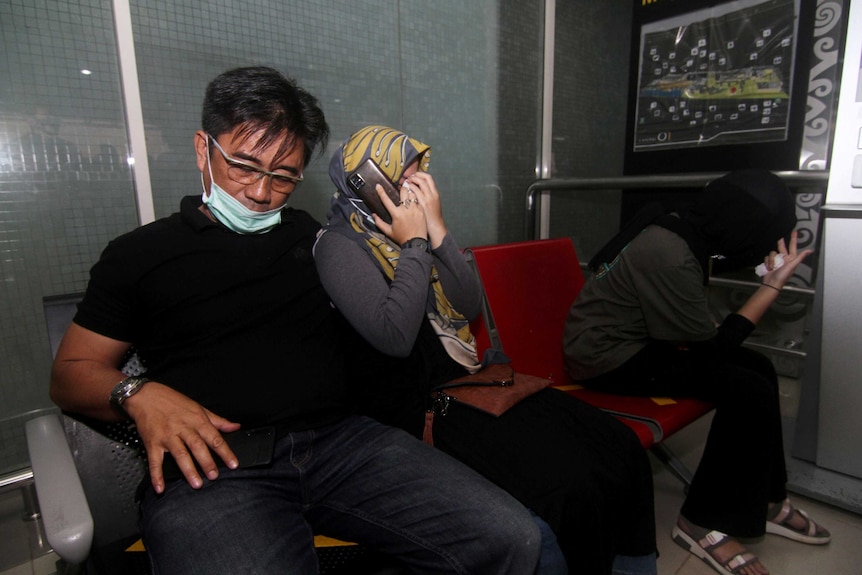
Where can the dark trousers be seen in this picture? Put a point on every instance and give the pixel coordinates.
(355, 480)
(742, 469)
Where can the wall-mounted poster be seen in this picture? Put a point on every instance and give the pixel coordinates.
(717, 76)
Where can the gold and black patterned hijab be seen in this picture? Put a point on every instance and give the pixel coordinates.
(393, 151)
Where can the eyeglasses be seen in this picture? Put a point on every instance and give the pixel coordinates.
(246, 174)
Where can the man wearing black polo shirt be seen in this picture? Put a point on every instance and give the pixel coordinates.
(223, 305)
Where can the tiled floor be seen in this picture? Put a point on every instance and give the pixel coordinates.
(20, 552)
(23, 550)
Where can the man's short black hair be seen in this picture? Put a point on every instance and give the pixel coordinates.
(262, 98)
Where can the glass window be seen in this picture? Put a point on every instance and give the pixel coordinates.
(65, 187)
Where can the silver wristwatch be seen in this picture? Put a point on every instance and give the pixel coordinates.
(126, 389)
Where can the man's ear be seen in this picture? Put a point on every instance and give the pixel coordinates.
(201, 150)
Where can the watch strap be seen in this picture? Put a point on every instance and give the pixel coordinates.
(127, 388)
(417, 242)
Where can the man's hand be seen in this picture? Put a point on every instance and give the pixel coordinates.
(169, 421)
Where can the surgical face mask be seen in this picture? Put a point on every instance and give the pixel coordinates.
(233, 214)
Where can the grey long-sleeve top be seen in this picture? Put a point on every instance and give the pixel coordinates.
(389, 315)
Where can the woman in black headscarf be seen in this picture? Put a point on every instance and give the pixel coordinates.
(641, 326)
(407, 289)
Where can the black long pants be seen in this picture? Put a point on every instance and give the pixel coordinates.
(742, 469)
(578, 468)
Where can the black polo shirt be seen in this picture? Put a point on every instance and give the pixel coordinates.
(240, 323)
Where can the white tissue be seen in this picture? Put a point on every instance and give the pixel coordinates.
(761, 270)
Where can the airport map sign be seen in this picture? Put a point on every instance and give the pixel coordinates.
(717, 76)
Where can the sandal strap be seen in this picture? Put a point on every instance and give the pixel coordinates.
(739, 561)
(712, 540)
(715, 539)
(783, 518)
(810, 526)
(785, 512)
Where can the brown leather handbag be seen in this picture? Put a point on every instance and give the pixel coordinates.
(492, 390)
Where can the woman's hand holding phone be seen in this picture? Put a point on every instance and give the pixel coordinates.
(408, 219)
(421, 187)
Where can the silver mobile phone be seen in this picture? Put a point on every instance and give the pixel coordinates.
(363, 181)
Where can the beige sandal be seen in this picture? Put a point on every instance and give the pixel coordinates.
(711, 541)
(810, 532)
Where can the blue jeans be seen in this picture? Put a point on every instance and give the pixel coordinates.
(635, 565)
(551, 561)
(357, 480)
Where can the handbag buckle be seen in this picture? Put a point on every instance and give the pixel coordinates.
(440, 405)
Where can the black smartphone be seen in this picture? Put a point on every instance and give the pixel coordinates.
(252, 447)
(363, 181)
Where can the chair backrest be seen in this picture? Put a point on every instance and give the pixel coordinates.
(532, 285)
(536, 283)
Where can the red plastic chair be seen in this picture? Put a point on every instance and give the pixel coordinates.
(529, 287)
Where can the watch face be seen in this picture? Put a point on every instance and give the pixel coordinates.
(420, 243)
(127, 388)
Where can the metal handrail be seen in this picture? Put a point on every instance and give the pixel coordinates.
(16, 479)
(24, 476)
(694, 180)
(787, 289)
(732, 283)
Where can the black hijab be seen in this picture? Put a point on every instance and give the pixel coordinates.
(737, 221)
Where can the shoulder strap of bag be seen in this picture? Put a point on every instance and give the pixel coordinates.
(487, 316)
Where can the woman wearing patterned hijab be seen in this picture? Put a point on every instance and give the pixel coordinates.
(407, 290)
(642, 326)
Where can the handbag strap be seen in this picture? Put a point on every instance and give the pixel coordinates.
(440, 397)
(507, 382)
(487, 316)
